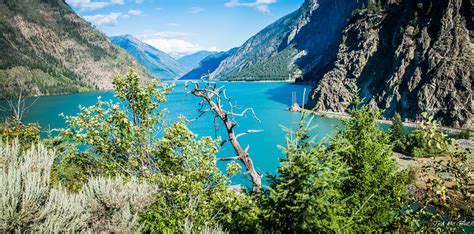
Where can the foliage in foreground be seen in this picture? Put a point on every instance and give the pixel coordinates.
(307, 194)
(169, 182)
(352, 185)
(29, 204)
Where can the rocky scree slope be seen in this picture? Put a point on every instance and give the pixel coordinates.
(303, 42)
(45, 48)
(407, 57)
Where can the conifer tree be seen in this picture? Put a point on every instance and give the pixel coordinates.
(397, 134)
(375, 187)
(307, 195)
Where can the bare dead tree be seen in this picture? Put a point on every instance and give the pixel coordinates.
(16, 104)
(214, 100)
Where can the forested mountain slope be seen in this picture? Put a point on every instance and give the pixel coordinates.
(300, 43)
(45, 48)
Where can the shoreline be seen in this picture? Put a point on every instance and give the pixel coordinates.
(249, 81)
(339, 115)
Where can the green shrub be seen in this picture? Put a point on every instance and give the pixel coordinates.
(465, 134)
(353, 185)
(427, 141)
(14, 129)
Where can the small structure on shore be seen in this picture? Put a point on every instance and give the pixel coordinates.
(295, 108)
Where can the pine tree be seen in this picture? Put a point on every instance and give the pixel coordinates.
(307, 194)
(397, 134)
(375, 187)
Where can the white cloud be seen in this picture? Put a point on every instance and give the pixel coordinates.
(175, 47)
(173, 43)
(196, 9)
(260, 5)
(87, 5)
(167, 35)
(107, 19)
(135, 12)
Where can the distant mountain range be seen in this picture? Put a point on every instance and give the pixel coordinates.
(406, 56)
(45, 48)
(192, 60)
(158, 62)
(208, 64)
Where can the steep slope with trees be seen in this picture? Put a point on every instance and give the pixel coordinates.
(302, 42)
(47, 49)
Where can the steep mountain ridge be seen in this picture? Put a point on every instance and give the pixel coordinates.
(293, 46)
(158, 62)
(407, 57)
(47, 49)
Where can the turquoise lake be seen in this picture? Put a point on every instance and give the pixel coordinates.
(269, 100)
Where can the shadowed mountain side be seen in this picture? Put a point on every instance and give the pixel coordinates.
(208, 65)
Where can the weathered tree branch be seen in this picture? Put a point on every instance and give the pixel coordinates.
(211, 94)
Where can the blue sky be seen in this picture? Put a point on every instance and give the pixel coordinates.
(184, 26)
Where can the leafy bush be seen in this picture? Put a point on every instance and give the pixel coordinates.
(442, 194)
(13, 129)
(121, 136)
(427, 140)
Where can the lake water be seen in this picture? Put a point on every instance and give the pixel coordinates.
(269, 100)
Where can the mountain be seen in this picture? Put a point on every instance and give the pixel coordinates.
(158, 62)
(45, 48)
(208, 64)
(193, 60)
(409, 57)
(300, 43)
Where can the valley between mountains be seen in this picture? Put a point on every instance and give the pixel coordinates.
(405, 57)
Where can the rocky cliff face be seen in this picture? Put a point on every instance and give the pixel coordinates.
(299, 43)
(407, 57)
(45, 48)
